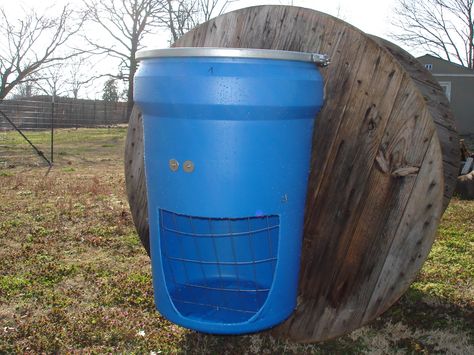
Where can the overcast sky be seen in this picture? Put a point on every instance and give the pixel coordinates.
(371, 16)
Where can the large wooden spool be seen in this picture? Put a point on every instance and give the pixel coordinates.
(379, 178)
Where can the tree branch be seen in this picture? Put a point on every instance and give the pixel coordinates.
(442, 27)
(32, 43)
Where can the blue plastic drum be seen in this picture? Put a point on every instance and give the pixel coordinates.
(227, 150)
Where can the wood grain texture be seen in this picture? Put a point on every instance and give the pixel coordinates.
(375, 193)
(135, 177)
(438, 107)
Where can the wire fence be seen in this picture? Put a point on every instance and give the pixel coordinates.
(39, 132)
(41, 114)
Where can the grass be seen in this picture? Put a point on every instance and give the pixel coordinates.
(74, 277)
(100, 145)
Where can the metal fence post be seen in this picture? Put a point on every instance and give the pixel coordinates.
(105, 113)
(95, 118)
(52, 130)
(82, 113)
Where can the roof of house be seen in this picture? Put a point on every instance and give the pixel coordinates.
(444, 66)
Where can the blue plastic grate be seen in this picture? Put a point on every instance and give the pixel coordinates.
(218, 269)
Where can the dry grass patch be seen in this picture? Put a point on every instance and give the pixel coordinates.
(74, 277)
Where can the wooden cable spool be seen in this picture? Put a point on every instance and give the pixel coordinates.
(378, 173)
(440, 112)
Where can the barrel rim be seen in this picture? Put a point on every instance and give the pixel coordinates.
(320, 59)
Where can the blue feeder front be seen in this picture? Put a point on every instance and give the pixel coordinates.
(227, 150)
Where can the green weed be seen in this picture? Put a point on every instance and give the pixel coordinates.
(11, 284)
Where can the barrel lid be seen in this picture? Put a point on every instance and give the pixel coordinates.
(320, 59)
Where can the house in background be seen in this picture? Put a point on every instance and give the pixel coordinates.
(458, 84)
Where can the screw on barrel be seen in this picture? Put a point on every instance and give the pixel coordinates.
(188, 166)
(173, 164)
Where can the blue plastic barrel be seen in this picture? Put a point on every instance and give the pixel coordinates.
(227, 150)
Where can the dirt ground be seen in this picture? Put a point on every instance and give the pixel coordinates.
(74, 277)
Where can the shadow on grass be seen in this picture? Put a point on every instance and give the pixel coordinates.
(420, 310)
(417, 323)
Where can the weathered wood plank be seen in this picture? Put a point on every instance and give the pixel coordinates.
(135, 177)
(438, 107)
(375, 149)
(413, 239)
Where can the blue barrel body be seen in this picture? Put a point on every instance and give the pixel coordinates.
(226, 237)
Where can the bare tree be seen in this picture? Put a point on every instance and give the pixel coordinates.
(443, 28)
(32, 43)
(24, 90)
(126, 22)
(79, 75)
(52, 81)
(65, 78)
(180, 16)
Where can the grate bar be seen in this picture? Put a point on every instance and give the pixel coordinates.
(224, 266)
(216, 253)
(269, 237)
(269, 260)
(220, 235)
(198, 249)
(181, 247)
(165, 254)
(215, 306)
(254, 269)
(223, 288)
(232, 242)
